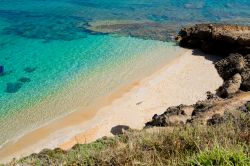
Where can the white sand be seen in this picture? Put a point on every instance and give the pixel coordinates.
(183, 81)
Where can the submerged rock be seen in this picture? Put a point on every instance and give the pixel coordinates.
(29, 69)
(13, 87)
(216, 38)
(24, 79)
(141, 29)
(1, 70)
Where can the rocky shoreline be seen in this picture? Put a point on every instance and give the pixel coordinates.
(233, 42)
(212, 111)
(216, 38)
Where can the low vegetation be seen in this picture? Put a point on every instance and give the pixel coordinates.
(226, 144)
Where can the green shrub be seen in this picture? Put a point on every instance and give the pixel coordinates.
(220, 156)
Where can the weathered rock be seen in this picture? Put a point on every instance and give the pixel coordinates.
(229, 66)
(216, 119)
(226, 40)
(213, 111)
(230, 87)
(246, 74)
(1, 70)
(234, 69)
(217, 38)
(245, 86)
(179, 110)
(202, 106)
(157, 120)
(172, 116)
(211, 96)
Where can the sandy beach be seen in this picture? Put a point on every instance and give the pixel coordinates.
(184, 80)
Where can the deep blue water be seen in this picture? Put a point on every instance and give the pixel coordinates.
(43, 48)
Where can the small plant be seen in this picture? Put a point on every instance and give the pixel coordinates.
(248, 107)
(220, 156)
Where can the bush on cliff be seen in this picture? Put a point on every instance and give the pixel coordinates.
(220, 156)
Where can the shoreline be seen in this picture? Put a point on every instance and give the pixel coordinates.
(84, 89)
(98, 121)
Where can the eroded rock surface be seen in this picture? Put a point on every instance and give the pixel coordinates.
(230, 86)
(211, 111)
(172, 116)
(232, 41)
(235, 71)
(217, 38)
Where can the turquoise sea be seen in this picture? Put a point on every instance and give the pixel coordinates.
(54, 64)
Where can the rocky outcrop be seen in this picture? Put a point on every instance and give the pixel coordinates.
(235, 71)
(212, 111)
(230, 86)
(171, 117)
(229, 66)
(216, 38)
(179, 115)
(230, 40)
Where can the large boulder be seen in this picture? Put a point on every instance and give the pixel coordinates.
(229, 66)
(230, 86)
(216, 38)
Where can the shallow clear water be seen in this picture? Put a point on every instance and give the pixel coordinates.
(46, 54)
